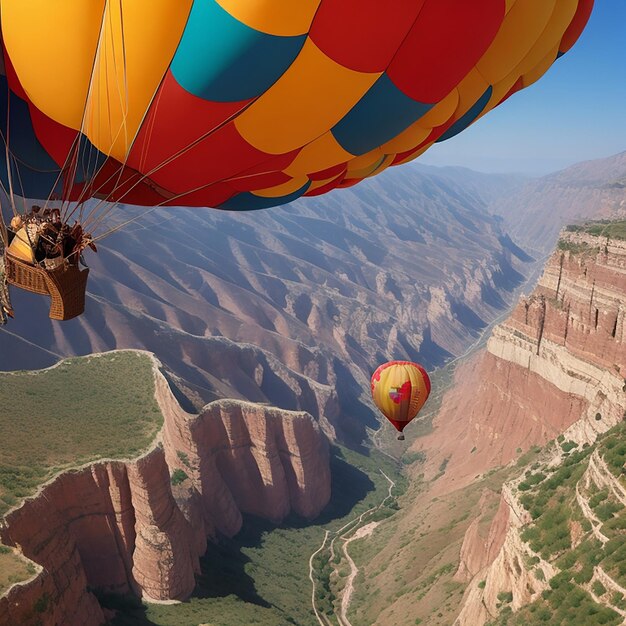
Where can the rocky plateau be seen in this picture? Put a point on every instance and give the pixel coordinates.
(140, 525)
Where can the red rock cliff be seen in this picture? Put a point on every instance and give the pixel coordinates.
(121, 525)
(558, 364)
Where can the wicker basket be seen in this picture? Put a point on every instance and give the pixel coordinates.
(66, 285)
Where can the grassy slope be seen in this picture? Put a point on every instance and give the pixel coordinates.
(549, 495)
(262, 575)
(602, 228)
(82, 410)
(13, 568)
(408, 564)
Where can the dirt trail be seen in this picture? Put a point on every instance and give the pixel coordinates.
(348, 590)
(363, 531)
(320, 618)
(351, 526)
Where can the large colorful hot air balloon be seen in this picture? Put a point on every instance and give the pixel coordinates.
(399, 390)
(245, 104)
(242, 104)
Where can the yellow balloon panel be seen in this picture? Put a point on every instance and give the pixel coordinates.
(282, 190)
(135, 50)
(319, 155)
(441, 112)
(411, 137)
(537, 72)
(470, 90)
(54, 62)
(275, 17)
(521, 28)
(551, 36)
(100, 65)
(366, 161)
(383, 165)
(298, 109)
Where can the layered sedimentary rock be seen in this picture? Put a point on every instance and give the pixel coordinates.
(123, 526)
(557, 365)
(504, 566)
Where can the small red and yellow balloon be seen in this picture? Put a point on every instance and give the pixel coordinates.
(399, 390)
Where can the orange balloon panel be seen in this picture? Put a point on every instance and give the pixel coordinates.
(185, 100)
(399, 390)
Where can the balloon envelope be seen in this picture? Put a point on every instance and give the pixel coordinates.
(249, 104)
(399, 390)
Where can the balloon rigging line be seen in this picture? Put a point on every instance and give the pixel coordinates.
(9, 164)
(74, 165)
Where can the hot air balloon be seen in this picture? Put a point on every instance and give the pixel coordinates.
(399, 390)
(245, 105)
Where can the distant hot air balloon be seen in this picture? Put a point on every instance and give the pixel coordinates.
(399, 390)
(246, 105)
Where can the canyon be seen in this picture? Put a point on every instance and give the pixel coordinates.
(292, 309)
(538, 210)
(409, 265)
(568, 338)
(140, 525)
(554, 370)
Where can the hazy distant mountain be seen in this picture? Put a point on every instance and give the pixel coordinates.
(408, 265)
(536, 212)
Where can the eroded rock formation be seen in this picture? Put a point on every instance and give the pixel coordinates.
(295, 306)
(557, 365)
(122, 526)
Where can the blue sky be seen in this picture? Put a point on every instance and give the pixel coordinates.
(576, 112)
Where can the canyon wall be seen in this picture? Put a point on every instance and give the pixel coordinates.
(140, 525)
(556, 366)
(539, 208)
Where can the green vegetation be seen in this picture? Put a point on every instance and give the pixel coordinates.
(82, 410)
(178, 477)
(562, 535)
(601, 228)
(13, 568)
(413, 457)
(505, 597)
(564, 603)
(550, 503)
(41, 605)
(575, 248)
(261, 576)
(184, 458)
(598, 588)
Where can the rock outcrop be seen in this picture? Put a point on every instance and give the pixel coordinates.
(504, 568)
(140, 525)
(557, 365)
